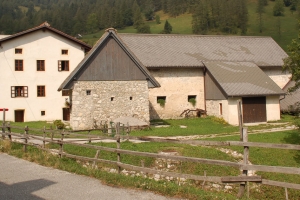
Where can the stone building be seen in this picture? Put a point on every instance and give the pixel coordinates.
(110, 82)
(193, 71)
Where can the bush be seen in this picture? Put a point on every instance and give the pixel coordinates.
(296, 122)
(59, 124)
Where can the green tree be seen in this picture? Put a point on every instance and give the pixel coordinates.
(260, 11)
(167, 28)
(278, 8)
(157, 19)
(92, 23)
(292, 63)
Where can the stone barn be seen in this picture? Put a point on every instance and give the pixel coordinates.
(110, 82)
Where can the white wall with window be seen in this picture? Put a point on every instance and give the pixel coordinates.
(33, 66)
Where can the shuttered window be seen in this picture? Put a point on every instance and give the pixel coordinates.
(19, 91)
(63, 65)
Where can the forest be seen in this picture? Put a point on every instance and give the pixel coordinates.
(89, 16)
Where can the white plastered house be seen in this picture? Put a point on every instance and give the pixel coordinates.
(33, 64)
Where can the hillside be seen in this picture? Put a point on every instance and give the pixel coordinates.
(282, 29)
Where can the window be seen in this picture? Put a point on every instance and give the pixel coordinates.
(18, 65)
(111, 98)
(130, 98)
(221, 109)
(18, 51)
(161, 100)
(41, 91)
(88, 92)
(19, 91)
(40, 65)
(65, 93)
(64, 52)
(192, 99)
(63, 65)
(43, 113)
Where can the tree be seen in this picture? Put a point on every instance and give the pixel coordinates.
(167, 28)
(278, 8)
(260, 10)
(292, 63)
(157, 19)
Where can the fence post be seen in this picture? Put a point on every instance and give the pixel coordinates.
(96, 157)
(3, 124)
(90, 139)
(118, 144)
(245, 162)
(61, 144)
(9, 131)
(51, 133)
(25, 139)
(44, 142)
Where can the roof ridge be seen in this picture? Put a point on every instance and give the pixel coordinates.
(193, 35)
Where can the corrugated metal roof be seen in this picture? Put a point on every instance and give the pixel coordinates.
(291, 99)
(242, 79)
(190, 50)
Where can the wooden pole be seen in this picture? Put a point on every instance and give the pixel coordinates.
(25, 139)
(61, 144)
(3, 124)
(96, 156)
(9, 131)
(286, 194)
(44, 142)
(245, 162)
(240, 118)
(118, 144)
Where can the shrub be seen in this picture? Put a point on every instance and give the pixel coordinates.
(59, 124)
(161, 102)
(296, 122)
(193, 101)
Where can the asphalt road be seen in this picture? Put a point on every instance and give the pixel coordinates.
(20, 179)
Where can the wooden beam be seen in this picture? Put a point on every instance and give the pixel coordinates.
(232, 179)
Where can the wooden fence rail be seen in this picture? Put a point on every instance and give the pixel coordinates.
(244, 167)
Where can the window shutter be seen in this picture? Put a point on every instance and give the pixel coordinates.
(25, 91)
(59, 65)
(13, 92)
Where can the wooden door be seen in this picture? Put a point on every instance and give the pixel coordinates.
(19, 115)
(254, 109)
(66, 114)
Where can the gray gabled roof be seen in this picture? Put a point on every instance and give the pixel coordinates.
(45, 26)
(242, 79)
(152, 82)
(164, 50)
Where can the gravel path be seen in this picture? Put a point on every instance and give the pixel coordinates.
(20, 179)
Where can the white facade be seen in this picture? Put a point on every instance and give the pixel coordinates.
(41, 44)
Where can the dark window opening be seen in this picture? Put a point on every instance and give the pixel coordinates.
(41, 91)
(111, 98)
(88, 92)
(65, 93)
(221, 108)
(43, 113)
(130, 98)
(64, 52)
(161, 100)
(18, 65)
(40, 65)
(18, 51)
(63, 65)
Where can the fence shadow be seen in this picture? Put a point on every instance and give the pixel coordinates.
(23, 190)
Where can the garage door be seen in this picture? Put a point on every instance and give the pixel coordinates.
(254, 109)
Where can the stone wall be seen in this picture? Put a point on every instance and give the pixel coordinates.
(176, 85)
(107, 101)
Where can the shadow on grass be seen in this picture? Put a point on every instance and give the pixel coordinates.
(294, 138)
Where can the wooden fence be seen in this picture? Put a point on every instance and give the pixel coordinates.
(51, 137)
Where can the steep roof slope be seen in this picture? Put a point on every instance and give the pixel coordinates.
(191, 50)
(242, 79)
(100, 46)
(45, 26)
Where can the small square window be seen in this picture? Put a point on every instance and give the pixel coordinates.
(18, 51)
(112, 98)
(130, 98)
(192, 99)
(88, 92)
(161, 100)
(43, 113)
(64, 52)
(65, 93)
(40, 65)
